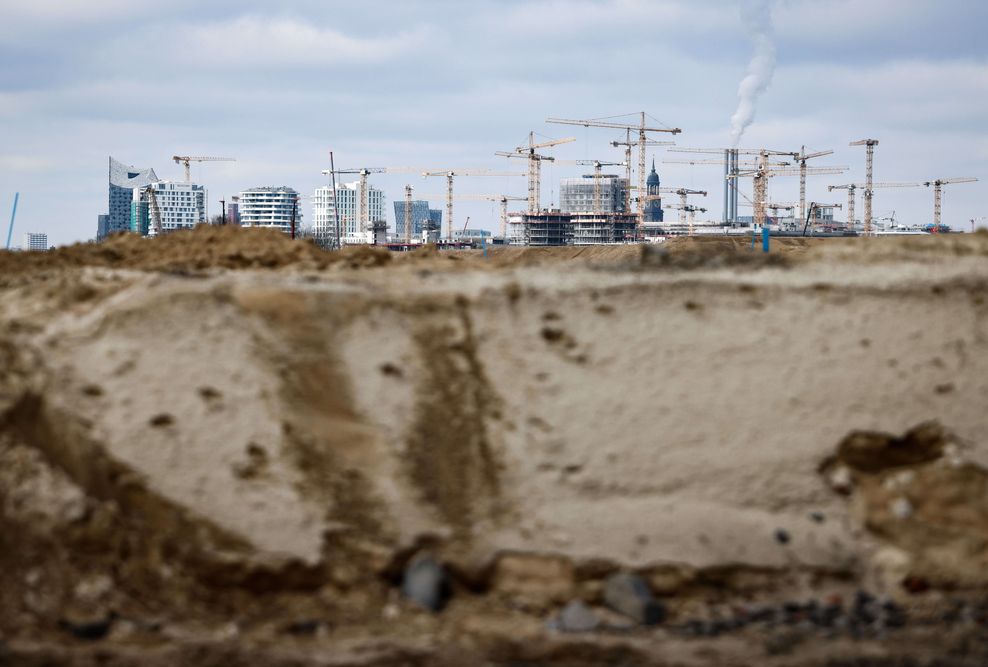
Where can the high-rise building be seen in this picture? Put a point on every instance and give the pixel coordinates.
(270, 207)
(181, 206)
(576, 195)
(420, 217)
(123, 179)
(233, 211)
(348, 204)
(34, 241)
(653, 208)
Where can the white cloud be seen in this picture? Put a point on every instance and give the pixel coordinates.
(264, 42)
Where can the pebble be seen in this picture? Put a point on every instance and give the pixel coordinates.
(629, 594)
(576, 617)
(426, 583)
(782, 536)
(901, 508)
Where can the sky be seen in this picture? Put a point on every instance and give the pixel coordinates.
(445, 83)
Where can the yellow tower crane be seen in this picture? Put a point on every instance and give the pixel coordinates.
(854, 187)
(628, 145)
(186, 160)
(450, 174)
(642, 130)
(938, 195)
(869, 145)
(534, 165)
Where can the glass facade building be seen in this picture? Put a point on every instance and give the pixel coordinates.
(420, 217)
(123, 180)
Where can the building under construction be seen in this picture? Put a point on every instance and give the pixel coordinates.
(556, 228)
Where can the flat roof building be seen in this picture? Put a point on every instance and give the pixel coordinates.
(270, 206)
(34, 241)
(180, 205)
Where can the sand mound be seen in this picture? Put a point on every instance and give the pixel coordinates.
(238, 443)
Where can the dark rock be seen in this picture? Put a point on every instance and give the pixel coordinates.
(818, 517)
(426, 583)
(915, 584)
(576, 617)
(893, 616)
(782, 536)
(88, 630)
(303, 628)
(629, 594)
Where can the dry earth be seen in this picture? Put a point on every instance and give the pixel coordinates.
(223, 447)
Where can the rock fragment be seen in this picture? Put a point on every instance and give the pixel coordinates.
(575, 617)
(629, 594)
(426, 583)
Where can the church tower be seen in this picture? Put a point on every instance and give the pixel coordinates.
(653, 209)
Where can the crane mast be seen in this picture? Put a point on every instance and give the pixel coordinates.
(869, 145)
(408, 213)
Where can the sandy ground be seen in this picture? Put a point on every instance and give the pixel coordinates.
(223, 447)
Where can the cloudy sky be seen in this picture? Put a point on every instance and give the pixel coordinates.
(446, 83)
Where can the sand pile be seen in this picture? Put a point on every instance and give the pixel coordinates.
(244, 450)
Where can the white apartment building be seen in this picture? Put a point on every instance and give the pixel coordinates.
(182, 206)
(270, 207)
(34, 241)
(348, 202)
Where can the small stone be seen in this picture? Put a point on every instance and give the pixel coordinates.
(94, 588)
(425, 583)
(629, 594)
(817, 517)
(901, 508)
(782, 536)
(841, 480)
(577, 617)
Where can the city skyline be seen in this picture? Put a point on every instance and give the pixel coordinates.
(444, 84)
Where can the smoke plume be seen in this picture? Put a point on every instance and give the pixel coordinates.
(757, 17)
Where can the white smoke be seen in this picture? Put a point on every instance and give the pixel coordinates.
(757, 17)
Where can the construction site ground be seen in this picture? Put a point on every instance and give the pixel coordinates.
(224, 447)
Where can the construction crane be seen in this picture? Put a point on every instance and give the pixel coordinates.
(408, 213)
(363, 206)
(502, 199)
(854, 187)
(154, 211)
(938, 195)
(642, 130)
(534, 165)
(731, 164)
(869, 145)
(683, 194)
(450, 174)
(766, 170)
(685, 209)
(801, 157)
(628, 145)
(814, 206)
(186, 160)
(597, 179)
